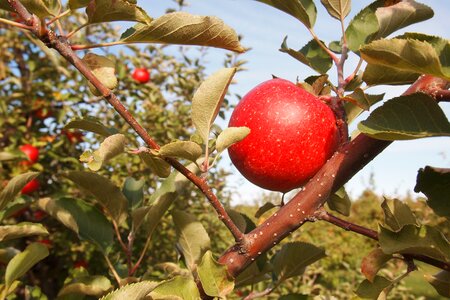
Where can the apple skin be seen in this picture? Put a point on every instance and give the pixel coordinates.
(292, 135)
(74, 137)
(31, 187)
(31, 152)
(141, 75)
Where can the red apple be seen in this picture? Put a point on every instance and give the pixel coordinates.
(141, 75)
(31, 152)
(42, 113)
(73, 136)
(292, 135)
(39, 215)
(31, 187)
(45, 242)
(80, 264)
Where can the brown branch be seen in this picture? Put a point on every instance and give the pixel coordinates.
(342, 166)
(62, 45)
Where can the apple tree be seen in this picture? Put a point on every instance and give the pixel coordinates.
(101, 118)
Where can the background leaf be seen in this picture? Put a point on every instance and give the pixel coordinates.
(91, 124)
(9, 232)
(340, 202)
(397, 214)
(135, 291)
(87, 285)
(441, 282)
(133, 190)
(373, 289)
(14, 186)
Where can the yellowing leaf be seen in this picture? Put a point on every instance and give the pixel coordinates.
(103, 68)
(338, 9)
(14, 186)
(230, 136)
(9, 232)
(373, 262)
(182, 149)
(115, 10)
(87, 285)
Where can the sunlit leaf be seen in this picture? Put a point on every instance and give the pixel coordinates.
(177, 288)
(181, 149)
(24, 261)
(435, 184)
(229, 136)
(14, 186)
(51, 207)
(311, 55)
(363, 26)
(207, 100)
(397, 214)
(214, 277)
(91, 124)
(373, 262)
(116, 10)
(441, 282)
(135, 291)
(41, 8)
(111, 146)
(373, 289)
(406, 117)
(103, 68)
(9, 232)
(338, 9)
(87, 285)
(185, 29)
(303, 10)
(193, 239)
(340, 202)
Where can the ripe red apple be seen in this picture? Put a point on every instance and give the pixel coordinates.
(292, 135)
(42, 113)
(80, 264)
(141, 75)
(31, 187)
(31, 152)
(74, 137)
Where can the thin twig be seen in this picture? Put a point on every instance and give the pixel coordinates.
(58, 17)
(141, 257)
(113, 270)
(15, 24)
(70, 34)
(92, 46)
(125, 249)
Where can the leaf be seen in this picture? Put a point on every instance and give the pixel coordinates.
(435, 184)
(373, 262)
(229, 136)
(303, 10)
(9, 232)
(99, 11)
(24, 261)
(424, 240)
(133, 190)
(340, 202)
(84, 219)
(112, 146)
(372, 290)
(441, 282)
(185, 29)
(238, 219)
(135, 291)
(106, 192)
(156, 164)
(14, 186)
(378, 74)
(40, 8)
(8, 156)
(294, 297)
(406, 117)
(292, 259)
(193, 239)
(311, 55)
(180, 287)
(75, 4)
(318, 83)
(181, 149)
(363, 100)
(214, 277)
(353, 110)
(103, 68)
(363, 26)
(410, 55)
(338, 9)
(91, 124)
(397, 214)
(265, 208)
(87, 285)
(207, 100)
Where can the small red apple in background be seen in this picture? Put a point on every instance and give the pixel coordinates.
(31, 187)
(45, 242)
(31, 152)
(141, 75)
(292, 134)
(74, 137)
(42, 113)
(80, 264)
(39, 215)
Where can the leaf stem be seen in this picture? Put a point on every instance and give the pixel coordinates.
(58, 17)
(141, 257)
(15, 24)
(125, 249)
(113, 270)
(85, 47)
(70, 34)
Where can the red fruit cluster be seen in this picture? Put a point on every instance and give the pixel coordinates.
(141, 75)
(33, 155)
(292, 134)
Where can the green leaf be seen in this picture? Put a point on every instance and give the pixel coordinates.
(410, 55)
(424, 240)
(133, 190)
(214, 277)
(378, 74)
(318, 83)
(9, 232)
(99, 11)
(363, 26)
(156, 164)
(181, 149)
(24, 261)
(303, 10)
(229, 136)
(75, 4)
(41, 8)
(185, 29)
(292, 259)
(135, 291)
(435, 184)
(112, 146)
(265, 208)
(179, 287)
(373, 262)
(84, 219)
(373, 289)
(8, 156)
(338, 9)
(91, 124)
(363, 100)
(103, 68)
(294, 297)
(406, 117)
(87, 285)
(193, 239)
(14, 186)
(105, 192)
(311, 55)
(340, 202)
(397, 214)
(441, 282)
(208, 99)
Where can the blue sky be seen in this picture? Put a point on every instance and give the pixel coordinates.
(264, 28)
